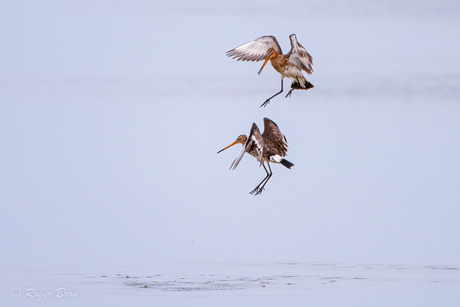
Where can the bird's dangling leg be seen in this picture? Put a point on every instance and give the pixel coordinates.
(260, 188)
(294, 86)
(269, 176)
(268, 100)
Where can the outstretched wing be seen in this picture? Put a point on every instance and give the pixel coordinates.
(299, 56)
(238, 158)
(255, 50)
(254, 146)
(275, 141)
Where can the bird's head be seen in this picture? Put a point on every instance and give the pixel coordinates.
(271, 53)
(240, 139)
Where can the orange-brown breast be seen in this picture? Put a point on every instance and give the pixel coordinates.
(280, 63)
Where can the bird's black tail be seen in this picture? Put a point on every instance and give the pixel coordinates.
(286, 163)
(301, 83)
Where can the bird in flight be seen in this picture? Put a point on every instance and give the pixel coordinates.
(289, 65)
(269, 146)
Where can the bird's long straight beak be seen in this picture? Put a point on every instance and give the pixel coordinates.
(234, 143)
(266, 60)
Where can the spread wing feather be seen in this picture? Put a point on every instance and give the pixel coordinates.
(275, 141)
(254, 146)
(255, 50)
(238, 159)
(255, 143)
(299, 55)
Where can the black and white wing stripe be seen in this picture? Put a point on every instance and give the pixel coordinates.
(299, 55)
(255, 143)
(254, 146)
(255, 50)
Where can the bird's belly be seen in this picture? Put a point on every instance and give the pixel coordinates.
(288, 70)
(258, 157)
(255, 155)
(252, 152)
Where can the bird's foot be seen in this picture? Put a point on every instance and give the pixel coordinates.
(289, 94)
(265, 103)
(256, 191)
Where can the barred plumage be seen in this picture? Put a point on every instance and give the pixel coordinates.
(266, 147)
(289, 65)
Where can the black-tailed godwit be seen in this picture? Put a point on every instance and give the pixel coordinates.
(270, 146)
(289, 65)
